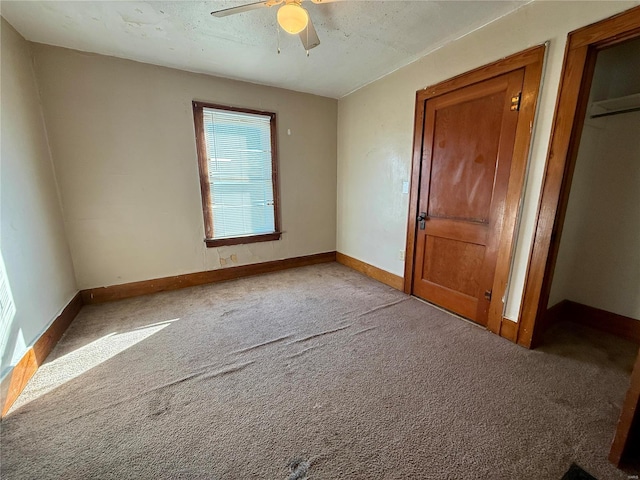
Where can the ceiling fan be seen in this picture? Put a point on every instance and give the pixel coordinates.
(292, 17)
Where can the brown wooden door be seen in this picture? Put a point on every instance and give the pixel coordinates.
(468, 140)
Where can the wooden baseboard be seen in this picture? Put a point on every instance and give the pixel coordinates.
(370, 271)
(509, 329)
(556, 314)
(603, 320)
(145, 287)
(17, 379)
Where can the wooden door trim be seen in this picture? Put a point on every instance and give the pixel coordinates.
(531, 60)
(497, 244)
(509, 64)
(577, 72)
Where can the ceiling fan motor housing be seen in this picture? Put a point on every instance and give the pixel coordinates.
(292, 17)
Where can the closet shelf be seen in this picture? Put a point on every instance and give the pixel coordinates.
(615, 106)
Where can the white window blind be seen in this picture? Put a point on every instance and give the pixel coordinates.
(240, 172)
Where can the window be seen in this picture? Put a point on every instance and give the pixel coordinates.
(238, 174)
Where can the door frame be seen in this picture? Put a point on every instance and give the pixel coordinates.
(581, 50)
(531, 60)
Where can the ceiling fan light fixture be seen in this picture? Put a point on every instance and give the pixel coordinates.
(293, 18)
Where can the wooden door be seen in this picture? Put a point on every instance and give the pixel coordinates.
(467, 145)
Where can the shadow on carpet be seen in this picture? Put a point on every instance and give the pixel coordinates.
(577, 473)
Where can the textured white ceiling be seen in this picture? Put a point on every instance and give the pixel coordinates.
(361, 40)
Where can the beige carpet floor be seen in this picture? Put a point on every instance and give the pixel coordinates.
(317, 373)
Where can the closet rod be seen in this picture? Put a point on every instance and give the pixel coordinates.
(608, 114)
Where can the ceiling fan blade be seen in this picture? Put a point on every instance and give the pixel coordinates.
(309, 36)
(242, 8)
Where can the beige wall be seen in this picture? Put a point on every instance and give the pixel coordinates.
(122, 140)
(375, 127)
(599, 257)
(32, 238)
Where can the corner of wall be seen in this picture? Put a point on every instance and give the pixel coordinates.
(40, 280)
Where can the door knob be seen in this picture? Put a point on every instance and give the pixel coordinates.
(422, 219)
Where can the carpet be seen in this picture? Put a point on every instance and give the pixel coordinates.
(317, 373)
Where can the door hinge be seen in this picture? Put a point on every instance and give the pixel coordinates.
(487, 294)
(515, 102)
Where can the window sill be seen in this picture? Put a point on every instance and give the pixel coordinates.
(221, 242)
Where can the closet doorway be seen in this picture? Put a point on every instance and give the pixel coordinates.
(596, 280)
(575, 104)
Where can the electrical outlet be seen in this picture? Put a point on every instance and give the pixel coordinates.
(405, 187)
(401, 256)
